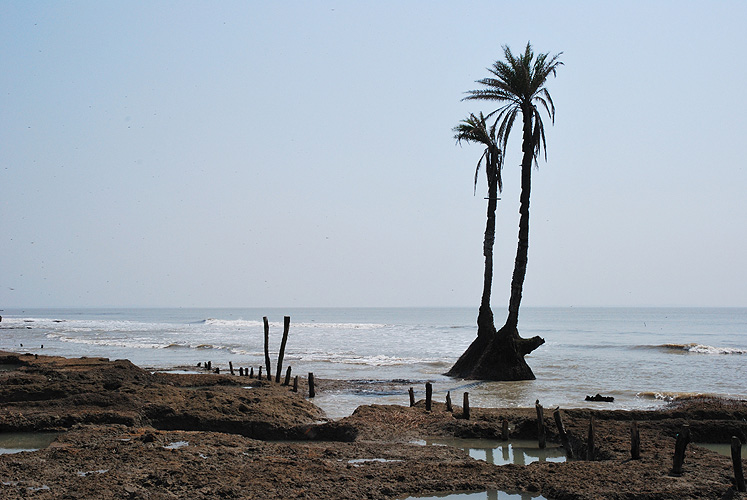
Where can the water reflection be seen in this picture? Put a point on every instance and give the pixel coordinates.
(515, 451)
(479, 495)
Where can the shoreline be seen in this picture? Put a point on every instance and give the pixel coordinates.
(121, 427)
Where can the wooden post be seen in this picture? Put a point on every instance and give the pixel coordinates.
(590, 440)
(295, 383)
(230, 367)
(251, 372)
(465, 406)
(561, 432)
(411, 391)
(680, 446)
(267, 347)
(241, 371)
(260, 373)
(286, 328)
(209, 366)
(428, 396)
(540, 426)
(312, 392)
(504, 430)
(635, 441)
(736, 458)
(449, 408)
(287, 376)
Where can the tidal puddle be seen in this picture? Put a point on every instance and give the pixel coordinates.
(16, 442)
(176, 445)
(479, 495)
(361, 461)
(720, 448)
(515, 451)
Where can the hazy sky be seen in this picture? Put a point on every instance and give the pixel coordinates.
(301, 154)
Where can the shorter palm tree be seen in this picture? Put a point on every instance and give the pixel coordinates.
(474, 130)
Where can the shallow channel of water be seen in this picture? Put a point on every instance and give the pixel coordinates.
(479, 495)
(16, 442)
(720, 448)
(514, 451)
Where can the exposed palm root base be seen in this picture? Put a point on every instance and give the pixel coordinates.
(497, 357)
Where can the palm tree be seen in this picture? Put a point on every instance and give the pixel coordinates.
(474, 130)
(518, 83)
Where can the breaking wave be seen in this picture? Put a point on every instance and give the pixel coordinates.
(350, 358)
(675, 396)
(699, 349)
(241, 323)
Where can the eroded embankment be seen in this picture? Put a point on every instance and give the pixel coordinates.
(133, 434)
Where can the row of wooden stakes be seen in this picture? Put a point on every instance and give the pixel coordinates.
(683, 437)
(249, 372)
(244, 372)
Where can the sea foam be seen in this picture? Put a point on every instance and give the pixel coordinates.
(702, 349)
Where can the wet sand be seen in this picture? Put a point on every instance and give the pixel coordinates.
(129, 433)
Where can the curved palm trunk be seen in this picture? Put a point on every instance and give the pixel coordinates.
(522, 251)
(485, 323)
(501, 356)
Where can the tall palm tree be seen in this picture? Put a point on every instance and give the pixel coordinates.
(474, 130)
(518, 84)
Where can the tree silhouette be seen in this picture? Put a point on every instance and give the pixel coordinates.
(518, 84)
(474, 130)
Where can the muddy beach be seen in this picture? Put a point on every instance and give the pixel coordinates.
(128, 433)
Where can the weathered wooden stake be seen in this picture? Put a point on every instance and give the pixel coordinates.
(540, 426)
(465, 406)
(251, 372)
(312, 392)
(449, 408)
(411, 391)
(428, 396)
(590, 441)
(241, 371)
(680, 446)
(635, 441)
(230, 367)
(736, 458)
(259, 376)
(561, 432)
(287, 376)
(295, 383)
(286, 328)
(504, 430)
(209, 366)
(267, 347)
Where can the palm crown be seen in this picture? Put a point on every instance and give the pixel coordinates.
(519, 82)
(473, 129)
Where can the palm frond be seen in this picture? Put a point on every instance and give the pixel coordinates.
(474, 129)
(477, 170)
(517, 82)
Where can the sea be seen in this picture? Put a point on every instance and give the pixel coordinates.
(642, 357)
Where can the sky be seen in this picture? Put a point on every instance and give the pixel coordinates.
(290, 154)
